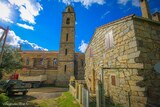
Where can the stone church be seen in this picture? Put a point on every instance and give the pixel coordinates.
(58, 66)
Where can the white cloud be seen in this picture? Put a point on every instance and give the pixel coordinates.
(83, 46)
(5, 12)
(106, 13)
(28, 9)
(15, 41)
(85, 3)
(25, 26)
(123, 2)
(155, 10)
(136, 3)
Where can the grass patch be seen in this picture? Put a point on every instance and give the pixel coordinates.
(66, 100)
(44, 103)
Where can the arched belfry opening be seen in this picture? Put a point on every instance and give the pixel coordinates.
(69, 9)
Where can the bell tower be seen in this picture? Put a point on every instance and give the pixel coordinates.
(66, 53)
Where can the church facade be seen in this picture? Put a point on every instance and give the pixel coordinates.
(58, 66)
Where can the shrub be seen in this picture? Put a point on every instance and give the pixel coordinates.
(3, 99)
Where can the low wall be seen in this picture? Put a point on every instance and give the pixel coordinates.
(79, 92)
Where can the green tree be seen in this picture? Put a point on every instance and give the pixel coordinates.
(11, 60)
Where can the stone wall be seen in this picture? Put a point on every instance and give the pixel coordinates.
(48, 67)
(79, 66)
(46, 57)
(148, 41)
(128, 64)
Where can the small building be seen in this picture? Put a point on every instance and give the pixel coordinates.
(124, 55)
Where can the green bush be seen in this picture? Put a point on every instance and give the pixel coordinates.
(3, 98)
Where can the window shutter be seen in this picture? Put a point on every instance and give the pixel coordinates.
(111, 39)
(106, 41)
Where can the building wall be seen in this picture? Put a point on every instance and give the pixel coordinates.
(128, 65)
(148, 42)
(49, 68)
(79, 66)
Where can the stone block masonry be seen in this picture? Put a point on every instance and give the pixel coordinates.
(129, 48)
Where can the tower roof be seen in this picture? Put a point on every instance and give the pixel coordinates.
(69, 9)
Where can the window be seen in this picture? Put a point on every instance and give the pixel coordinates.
(41, 61)
(68, 9)
(54, 61)
(65, 68)
(48, 63)
(27, 62)
(109, 40)
(66, 36)
(113, 80)
(66, 51)
(68, 21)
(34, 62)
(82, 62)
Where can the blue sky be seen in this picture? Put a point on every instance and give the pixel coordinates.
(36, 24)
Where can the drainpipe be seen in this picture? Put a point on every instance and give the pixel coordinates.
(103, 91)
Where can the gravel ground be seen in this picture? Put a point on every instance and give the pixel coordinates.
(46, 93)
(19, 100)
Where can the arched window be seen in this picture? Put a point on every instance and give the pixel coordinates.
(66, 36)
(68, 9)
(54, 61)
(41, 61)
(48, 63)
(82, 63)
(34, 62)
(27, 62)
(68, 21)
